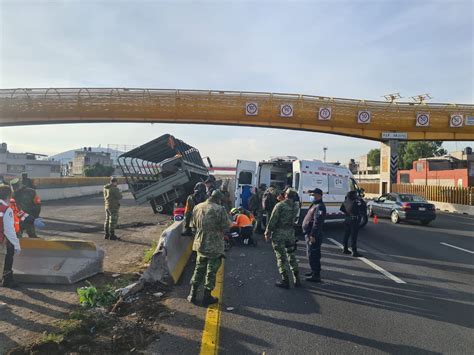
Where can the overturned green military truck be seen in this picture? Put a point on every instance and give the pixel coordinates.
(163, 172)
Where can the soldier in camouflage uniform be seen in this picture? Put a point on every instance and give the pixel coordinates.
(112, 197)
(281, 230)
(28, 201)
(197, 197)
(210, 221)
(226, 199)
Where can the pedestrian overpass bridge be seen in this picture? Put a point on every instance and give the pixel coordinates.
(375, 120)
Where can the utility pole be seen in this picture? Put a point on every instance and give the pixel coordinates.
(324, 151)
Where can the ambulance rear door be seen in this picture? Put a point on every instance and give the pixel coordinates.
(245, 181)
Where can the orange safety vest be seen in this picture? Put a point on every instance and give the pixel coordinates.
(242, 221)
(18, 215)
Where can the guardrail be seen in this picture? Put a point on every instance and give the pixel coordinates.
(41, 183)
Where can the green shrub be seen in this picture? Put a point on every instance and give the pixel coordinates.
(90, 296)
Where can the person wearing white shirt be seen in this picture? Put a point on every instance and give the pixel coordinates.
(7, 233)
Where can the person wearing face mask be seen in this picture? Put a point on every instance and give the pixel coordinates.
(313, 230)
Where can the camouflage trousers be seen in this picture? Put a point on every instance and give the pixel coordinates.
(111, 220)
(206, 270)
(285, 250)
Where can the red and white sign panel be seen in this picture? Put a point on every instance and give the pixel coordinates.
(456, 121)
(286, 110)
(325, 113)
(363, 117)
(422, 120)
(251, 109)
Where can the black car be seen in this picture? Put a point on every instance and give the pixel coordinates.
(400, 206)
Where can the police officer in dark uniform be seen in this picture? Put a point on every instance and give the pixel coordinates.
(313, 230)
(352, 208)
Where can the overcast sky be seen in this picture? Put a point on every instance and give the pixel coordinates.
(353, 49)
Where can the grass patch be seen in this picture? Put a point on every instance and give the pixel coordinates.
(148, 254)
(52, 337)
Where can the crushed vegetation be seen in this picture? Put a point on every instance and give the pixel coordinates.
(106, 323)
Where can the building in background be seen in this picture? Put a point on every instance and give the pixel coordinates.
(454, 169)
(86, 158)
(35, 165)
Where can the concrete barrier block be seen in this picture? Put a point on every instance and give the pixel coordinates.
(57, 261)
(171, 255)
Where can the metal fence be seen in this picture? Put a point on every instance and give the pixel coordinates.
(370, 187)
(448, 194)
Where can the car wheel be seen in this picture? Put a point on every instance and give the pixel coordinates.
(159, 208)
(370, 212)
(425, 222)
(395, 218)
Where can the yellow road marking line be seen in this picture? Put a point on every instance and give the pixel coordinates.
(210, 335)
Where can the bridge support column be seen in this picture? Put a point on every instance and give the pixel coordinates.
(388, 165)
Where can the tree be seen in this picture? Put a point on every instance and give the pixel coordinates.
(99, 170)
(408, 152)
(373, 158)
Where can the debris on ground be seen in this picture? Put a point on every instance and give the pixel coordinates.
(130, 327)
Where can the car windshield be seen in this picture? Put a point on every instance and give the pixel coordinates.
(411, 198)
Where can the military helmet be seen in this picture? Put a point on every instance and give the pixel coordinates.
(200, 187)
(291, 193)
(216, 195)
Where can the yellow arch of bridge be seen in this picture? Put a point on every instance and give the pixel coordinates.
(289, 111)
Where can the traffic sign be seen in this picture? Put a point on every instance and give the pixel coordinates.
(469, 120)
(363, 117)
(251, 109)
(422, 119)
(395, 135)
(325, 113)
(286, 110)
(456, 121)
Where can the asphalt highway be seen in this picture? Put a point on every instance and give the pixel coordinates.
(412, 294)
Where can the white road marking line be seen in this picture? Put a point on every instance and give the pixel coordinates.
(373, 265)
(455, 247)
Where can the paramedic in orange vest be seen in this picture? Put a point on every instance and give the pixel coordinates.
(19, 216)
(242, 225)
(8, 238)
(29, 201)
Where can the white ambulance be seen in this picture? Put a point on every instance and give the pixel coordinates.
(303, 175)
